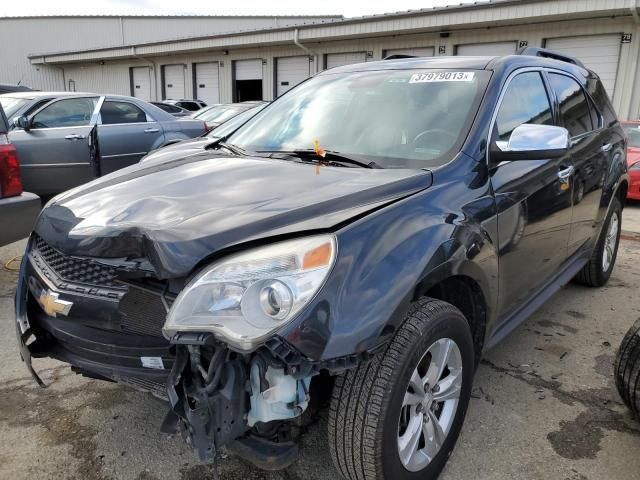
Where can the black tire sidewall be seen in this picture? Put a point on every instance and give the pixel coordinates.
(448, 325)
(605, 274)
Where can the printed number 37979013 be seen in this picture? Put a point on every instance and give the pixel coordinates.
(442, 77)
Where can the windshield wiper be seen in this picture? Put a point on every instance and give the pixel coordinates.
(220, 142)
(331, 157)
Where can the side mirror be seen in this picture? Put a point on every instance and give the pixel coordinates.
(23, 122)
(532, 142)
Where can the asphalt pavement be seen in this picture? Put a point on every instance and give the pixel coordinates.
(544, 405)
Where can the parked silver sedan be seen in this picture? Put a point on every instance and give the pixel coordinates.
(67, 139)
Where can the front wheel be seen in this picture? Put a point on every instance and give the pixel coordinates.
(398, 416)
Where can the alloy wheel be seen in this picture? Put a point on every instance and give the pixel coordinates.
(430, 404)
(610, 242)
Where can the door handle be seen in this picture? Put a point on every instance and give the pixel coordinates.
(151, 130)
(565, 175)
(606, 147)
(74, 136)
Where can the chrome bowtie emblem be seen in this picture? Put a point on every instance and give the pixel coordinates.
(49, 301)
(52, 305)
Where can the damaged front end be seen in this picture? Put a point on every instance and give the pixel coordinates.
(221, 398)
(209, 346)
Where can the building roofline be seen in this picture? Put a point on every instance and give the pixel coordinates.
(615, 7)
(29, 17)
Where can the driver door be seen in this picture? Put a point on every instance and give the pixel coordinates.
(533, 199)
(55, 152)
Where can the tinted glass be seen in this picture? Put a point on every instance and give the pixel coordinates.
(574, 107)
(121, 112)
(633, 133)
(11, 105)
(235, 122)
(398, 118)
(191, 106)
(524, 101)
(219, 114)
(72, 112)
(168, 108)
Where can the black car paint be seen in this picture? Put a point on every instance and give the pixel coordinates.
(399, 232)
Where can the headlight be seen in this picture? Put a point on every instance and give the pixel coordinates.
(635, 166)
(244, 298)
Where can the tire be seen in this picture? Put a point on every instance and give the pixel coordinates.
(627, 369)
(594, 273)
(367, 402)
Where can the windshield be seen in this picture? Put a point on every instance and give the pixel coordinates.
(633, 133)
(220, 113)
(398, 118)
(228, 127)
(12, 104)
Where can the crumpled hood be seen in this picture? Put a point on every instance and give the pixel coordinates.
(176, 213)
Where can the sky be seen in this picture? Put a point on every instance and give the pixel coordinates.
(348, 8)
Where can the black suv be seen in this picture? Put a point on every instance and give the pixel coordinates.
(358, 244)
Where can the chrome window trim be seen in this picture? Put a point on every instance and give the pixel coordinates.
(590, 101)
(61, 99)
(541, 70)
(496, 109)
(150, 119)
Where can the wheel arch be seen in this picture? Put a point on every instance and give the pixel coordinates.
(465, 293)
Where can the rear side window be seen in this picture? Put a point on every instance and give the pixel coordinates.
(574, 106)
(71, 112)
(113, 113)
(192, 106)
(524, 101)
(168, 108)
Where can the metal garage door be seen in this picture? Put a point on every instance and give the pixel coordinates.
(248, 69)
(173, 81)
(598, 52)
(141, 83)
(208, 82)
(416, 52)
(481, 49)
(290, 71)
(339, 59)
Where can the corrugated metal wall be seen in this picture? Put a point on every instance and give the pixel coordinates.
(114, 77)
(21, 37)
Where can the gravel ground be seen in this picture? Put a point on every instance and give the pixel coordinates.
(544, 404)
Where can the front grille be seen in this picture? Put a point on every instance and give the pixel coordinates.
(83, 271)
(143, 310)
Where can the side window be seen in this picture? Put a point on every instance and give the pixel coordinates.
(70, 112)
(524, 101)
(574, 106)
(113, 112)
(36, 106)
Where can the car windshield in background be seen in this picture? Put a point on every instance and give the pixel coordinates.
(633, 133)
(12, 104)
(397, 118)
(219, 114)
(233, 124)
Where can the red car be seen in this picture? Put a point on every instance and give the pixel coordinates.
(633, 158)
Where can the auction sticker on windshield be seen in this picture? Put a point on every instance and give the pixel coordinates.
(442, 77)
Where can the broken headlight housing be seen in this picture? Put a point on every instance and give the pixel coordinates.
(244, 298)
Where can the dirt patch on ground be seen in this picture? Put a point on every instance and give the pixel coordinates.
(551, 324)
(23, 404)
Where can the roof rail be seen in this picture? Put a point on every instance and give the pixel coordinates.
(398, 56)
(543, 52)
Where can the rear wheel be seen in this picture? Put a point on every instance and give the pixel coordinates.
(627, 369)
(599, 267)
(398, 416)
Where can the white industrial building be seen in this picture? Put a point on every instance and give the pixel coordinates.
(223, 59)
